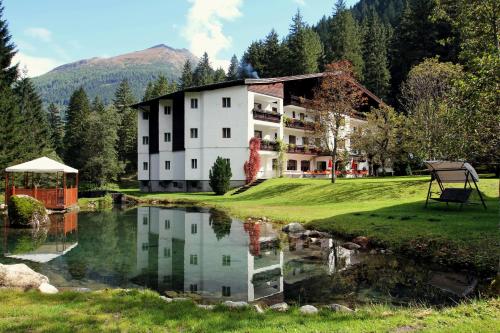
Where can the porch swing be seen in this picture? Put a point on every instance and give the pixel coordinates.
(450, 172)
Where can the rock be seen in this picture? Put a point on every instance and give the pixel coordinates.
(206, 306)
(308, 309)
(361, 241)
(82, 290)
(235, 305)
(351, 246)
(25, 211)
(280, 307)
(171, 293)
(339, 308)
(46, 288)
(166, 299)
(293, 227)
(20, 276)
(258, 308)
(373, 251)
(180, 299)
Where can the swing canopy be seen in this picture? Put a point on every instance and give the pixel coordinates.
(453, 172)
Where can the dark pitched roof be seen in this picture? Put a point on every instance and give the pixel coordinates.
(241, 82)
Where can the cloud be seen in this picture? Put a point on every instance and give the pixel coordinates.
(300, 2)
(203, 29)
(35, 65)
(43, 34)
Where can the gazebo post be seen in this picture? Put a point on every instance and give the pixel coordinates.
(64, 189)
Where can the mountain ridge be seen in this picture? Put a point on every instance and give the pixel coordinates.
(100, 76)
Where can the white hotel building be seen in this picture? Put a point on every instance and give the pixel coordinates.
(180, 135)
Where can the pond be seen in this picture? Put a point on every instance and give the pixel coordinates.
(207, 254)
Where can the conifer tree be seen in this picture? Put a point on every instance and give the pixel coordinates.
(56, 128)
(252, 62)
(36, 139)
(233, 71)
(77, 125)
(274, 56)
(346, 39)
(100, 164)
(161, 86)
(304, 46)
(187, 79)
(376, 72)
(219, 75)
(127, 127)
(8, 72)
(148, 94)
(203, 73)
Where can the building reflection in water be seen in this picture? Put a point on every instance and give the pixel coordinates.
(42, 244)
(208, 254)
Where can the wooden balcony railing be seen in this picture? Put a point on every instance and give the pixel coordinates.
(268, 146)
(299, 124)
(309, 150)
(270, 116)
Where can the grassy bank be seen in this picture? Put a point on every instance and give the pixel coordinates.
(390, 211)
(136, 311)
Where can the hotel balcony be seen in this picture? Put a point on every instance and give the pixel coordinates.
(269, 116)
(306, 150)
(299, 124)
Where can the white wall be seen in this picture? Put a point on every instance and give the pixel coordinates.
(142, 150)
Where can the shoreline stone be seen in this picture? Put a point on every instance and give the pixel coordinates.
(280, 307)
(308, 309)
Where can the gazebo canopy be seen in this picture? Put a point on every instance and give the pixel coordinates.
(41, 165)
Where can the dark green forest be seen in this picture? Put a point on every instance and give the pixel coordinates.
(436, 62)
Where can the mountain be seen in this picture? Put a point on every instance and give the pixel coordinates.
(101, 76)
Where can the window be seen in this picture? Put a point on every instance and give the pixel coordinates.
(193, 259)
(321, 166)
(194, 103)
(257, 134)
(305, 140)
(226, 260)
(257, 106)
(145, 246)
(145, 166)
(193, 288)
(275, 136)
(194, 229)
(145, 140)
(167, 253)
(167, 165)
(167, 110)
(226, 291)
(302, 117)
(194, 163)
(291, 165)
(145, 220)
(167, 137)
(145, 115)
(226, 133)
(226, 102)
(194, 133)
(228, 161)
(305, 165)
(293, 114)
(167, 224)
(292, 139)
(274, 109)
(275, 164)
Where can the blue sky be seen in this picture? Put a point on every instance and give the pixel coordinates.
(49, 33)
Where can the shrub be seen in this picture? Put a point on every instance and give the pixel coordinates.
(252, 166)
(220, 176)
(26, 211)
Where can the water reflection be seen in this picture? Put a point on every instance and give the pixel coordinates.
(42, 244)
(207, 253)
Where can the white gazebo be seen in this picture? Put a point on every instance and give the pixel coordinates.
(63, 195)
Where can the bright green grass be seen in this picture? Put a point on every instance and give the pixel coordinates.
(136, 311)
(388, 210)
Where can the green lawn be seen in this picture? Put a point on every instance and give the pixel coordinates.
(136, 311)
(389, 210)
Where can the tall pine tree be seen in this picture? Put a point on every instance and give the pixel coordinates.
(219, 75)
(203, 73)
(233, 71)
(376, 68)
(56, 126)
(148, 93)
(127, 126)
(77, 125)
(346, 39)
(37, 139)
(8, 72)
(187, 79)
